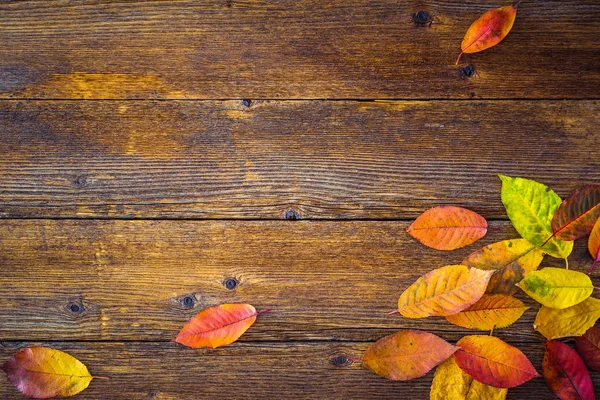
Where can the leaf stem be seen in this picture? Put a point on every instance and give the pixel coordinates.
(353, 359)
(459, 56)
(566, 263)
(104, 378)
(517, 3)
(391, 312)
(264, 311)
(492, 331)
(592, 267)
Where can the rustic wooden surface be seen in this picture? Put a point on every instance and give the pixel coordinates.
(153, 153)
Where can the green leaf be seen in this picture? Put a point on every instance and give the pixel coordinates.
(557, 287)
(530, 206)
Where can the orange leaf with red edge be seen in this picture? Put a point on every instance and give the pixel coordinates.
(565, 373)
(217, 326)
(41, 373)
(577, 214)
(448, 227)
(594, 244)
(588, 347)
(407, 354)
(493, 362)
(490, 312)
(443, 291)
(489, 29)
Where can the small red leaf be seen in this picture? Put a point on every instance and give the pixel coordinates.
(588, 347)
(565, 373)
(577, 214)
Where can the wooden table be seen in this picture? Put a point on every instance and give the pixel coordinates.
(160, 157)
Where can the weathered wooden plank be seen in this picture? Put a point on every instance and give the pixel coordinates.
(319, 159)
(291, 49)
(247, 371)
(141, 280)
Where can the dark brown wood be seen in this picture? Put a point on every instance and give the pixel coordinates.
(216, 49)
(303, 159)
(129, 280)
(247, 371)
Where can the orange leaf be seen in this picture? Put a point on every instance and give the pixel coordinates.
(493, 362)
(42, 372)
(491, 311)
(448, 227)
(217, 326)
(443, 291)
(407, 354)
(594, 244)
(489, 29)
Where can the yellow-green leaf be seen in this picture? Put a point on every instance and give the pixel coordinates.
(512, 259)
(530, 206)
(451, 383)
(491, 311)
(573, 321)
(444, 291)
(557, 287)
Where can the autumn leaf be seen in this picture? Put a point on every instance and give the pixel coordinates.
(451, 383)
(510, 258)
(594, 244)
(565, 373)
(557, 287)
(493, 362)
(588, 347)
(573, 321)
(489, 29)
(41, 373)
(217, 326)
(530, 206)
(491, 311)
(577, 213)
(407, 354)
(443, 291)
(448, 227)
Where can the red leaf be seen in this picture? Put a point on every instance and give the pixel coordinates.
(565, 373)
(577, 214)
(588, 347)
(493, 362)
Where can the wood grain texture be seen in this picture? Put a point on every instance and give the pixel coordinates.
(145, 371)
(130, 279)
(319, 159)
(224, 49)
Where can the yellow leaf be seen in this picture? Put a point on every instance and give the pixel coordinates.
(557, 287)
(42, 372)
(491, 311)
(444, 291)
(451, 383)
(572, 321)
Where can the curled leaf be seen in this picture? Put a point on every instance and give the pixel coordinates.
(41, 373)
(594, 244)
(448, 227)
(588, 347)
(530, 206)
(493, 362)
(451, 383)
(565, 373)
(557, 287)
(573, 321)
(407, 354)
(217, 326)
(489, 29)
(443, 291)
(512, 259)
(577, 213)
(491, 311)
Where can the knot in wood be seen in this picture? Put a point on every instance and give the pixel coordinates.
(230, 283)
(246, 103)
(292, 215)
(467, 71)
(340, 361)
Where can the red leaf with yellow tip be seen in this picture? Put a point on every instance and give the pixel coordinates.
(565, 373)
(448, 227)
(217, 326)
(493, 362)
(407, 354)
(594, 244)
(41, 373)
(489, 29)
